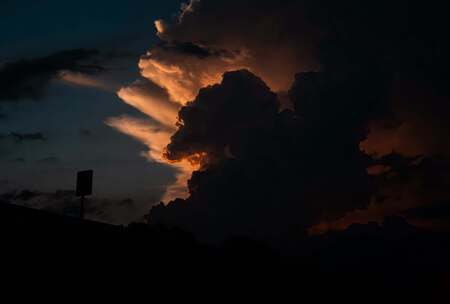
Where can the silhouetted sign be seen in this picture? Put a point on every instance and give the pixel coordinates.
(84, 182)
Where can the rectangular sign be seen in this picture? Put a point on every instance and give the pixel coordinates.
(84, 182)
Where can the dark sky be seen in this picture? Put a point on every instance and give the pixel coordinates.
(71, 118)
(32, 28)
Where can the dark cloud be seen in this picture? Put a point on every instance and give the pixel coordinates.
(28, 78)
(408, 47)
(49, 160)
(16, 140)
(191, 49)
(86, 132)
(24, 137)
(440, 210)
(407, 136)
(413, 183)
(223, 118)
(265, 173)
(127, 202)
(401, 184)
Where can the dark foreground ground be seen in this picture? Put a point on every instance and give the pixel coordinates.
(375, 260)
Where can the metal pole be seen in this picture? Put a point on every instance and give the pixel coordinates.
(82, 208)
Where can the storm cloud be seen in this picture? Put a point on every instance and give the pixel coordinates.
(264, 172)
(193, 54)
(364, 105)
(24, 137)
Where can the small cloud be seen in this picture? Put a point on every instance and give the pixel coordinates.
(82, 80)
(194, 50)
(49, 160)
(22, 137)
(85, 132)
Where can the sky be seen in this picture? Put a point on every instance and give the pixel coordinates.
(275, 118)
(71, 116)
(41, 27)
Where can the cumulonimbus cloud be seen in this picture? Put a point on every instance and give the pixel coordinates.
(347, 117)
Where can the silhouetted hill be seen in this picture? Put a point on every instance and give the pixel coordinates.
(393, 256)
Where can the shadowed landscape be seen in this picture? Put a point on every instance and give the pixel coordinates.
(393, 257)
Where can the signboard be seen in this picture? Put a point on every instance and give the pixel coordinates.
(84, 182)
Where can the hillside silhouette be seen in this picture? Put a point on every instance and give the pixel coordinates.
(394, 256)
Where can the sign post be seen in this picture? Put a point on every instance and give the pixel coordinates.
(84, 187)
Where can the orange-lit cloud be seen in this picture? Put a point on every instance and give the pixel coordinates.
(183, 76)
(84, 80)
(422, 128)
(151, 101)
(156, 138)
(274, 40)
(423, 182)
